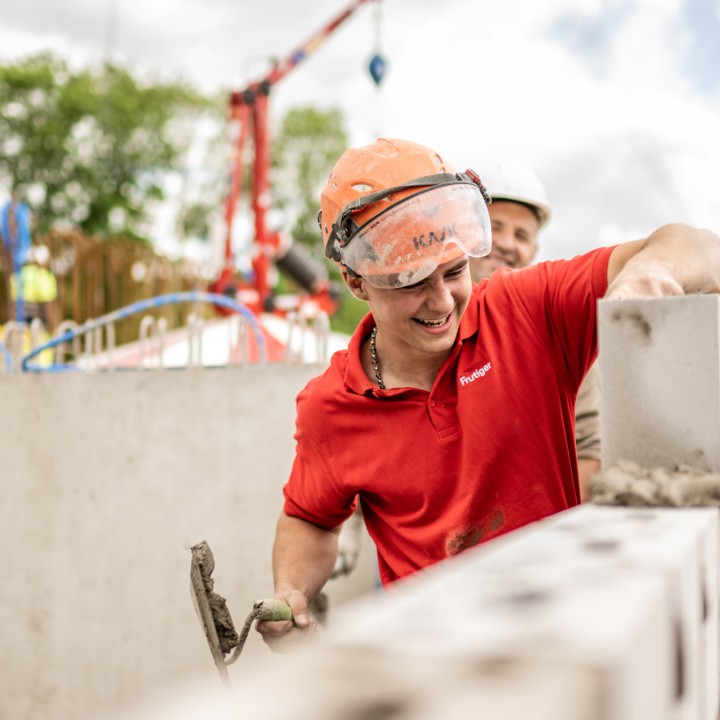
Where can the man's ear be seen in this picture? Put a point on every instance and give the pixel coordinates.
(356, 285)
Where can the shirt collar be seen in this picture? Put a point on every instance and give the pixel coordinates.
(471, 317)
(355, 377)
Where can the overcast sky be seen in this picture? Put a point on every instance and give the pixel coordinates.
(614, 103)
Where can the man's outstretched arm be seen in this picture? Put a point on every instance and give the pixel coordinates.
(674, 260)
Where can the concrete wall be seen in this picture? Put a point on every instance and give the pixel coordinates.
(108, 479)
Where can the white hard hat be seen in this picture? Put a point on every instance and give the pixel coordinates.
(517, 183)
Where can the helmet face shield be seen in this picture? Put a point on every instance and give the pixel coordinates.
(406, 242)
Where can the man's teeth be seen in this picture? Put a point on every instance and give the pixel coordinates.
(433, 323)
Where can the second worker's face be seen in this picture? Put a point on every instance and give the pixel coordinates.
(514, 239)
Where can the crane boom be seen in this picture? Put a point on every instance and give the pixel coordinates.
(281, 69)
(249, 113)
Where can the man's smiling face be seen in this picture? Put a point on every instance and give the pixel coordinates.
(422, 318)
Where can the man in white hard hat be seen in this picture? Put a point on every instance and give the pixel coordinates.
(518, 212)
(39, 287)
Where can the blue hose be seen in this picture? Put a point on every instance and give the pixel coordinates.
(141, 306)
(6, 356)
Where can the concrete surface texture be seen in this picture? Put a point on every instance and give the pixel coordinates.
(660, 384)
(108, 481)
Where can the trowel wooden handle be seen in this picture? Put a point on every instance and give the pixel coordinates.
(272, 609)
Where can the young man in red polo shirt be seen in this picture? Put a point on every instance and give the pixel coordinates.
(519, 211)
(450, 413)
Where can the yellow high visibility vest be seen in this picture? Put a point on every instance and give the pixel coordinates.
(39, 285)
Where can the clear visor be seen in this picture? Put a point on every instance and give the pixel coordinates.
(405, 243)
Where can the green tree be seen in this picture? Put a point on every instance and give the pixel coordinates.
(90, 148)
(306, 147)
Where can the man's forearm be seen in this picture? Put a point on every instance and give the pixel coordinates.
(587, 468)
(673, 260)
(304, 556)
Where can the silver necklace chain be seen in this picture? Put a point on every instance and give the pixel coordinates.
(373, 358)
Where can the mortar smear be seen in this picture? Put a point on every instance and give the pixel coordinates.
(627, 483)
(222, 620)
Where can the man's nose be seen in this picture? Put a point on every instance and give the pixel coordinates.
(440, 297)
(503, 240)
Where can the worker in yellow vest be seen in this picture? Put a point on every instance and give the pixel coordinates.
(39, 287)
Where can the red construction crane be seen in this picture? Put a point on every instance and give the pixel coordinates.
(249, 112)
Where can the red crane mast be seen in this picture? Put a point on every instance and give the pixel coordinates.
(249, 112)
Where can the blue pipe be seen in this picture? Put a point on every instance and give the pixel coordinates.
(15, 227)
(141, 306)
(6, 356)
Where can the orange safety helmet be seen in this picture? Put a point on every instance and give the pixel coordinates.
(394, 210)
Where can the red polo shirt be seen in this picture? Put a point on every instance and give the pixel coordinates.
(490, 448)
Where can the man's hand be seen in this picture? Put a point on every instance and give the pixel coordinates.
(674, 260)
(637, 282)
(287, 637)
(303, 558)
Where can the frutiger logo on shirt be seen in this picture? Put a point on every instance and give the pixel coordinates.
(475, 374)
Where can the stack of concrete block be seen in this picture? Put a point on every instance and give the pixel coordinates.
(630, 595)
(598, 613)
(607, 544)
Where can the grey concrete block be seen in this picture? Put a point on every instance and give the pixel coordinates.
(660, 381)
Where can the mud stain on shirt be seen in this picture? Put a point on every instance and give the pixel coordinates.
(468, 536)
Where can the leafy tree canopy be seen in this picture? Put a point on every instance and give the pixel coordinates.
(306, 147)
(89, 148)
(92, 149)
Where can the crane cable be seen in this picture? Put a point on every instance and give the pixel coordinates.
(377, 65)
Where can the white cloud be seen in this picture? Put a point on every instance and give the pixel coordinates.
(610, 120)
